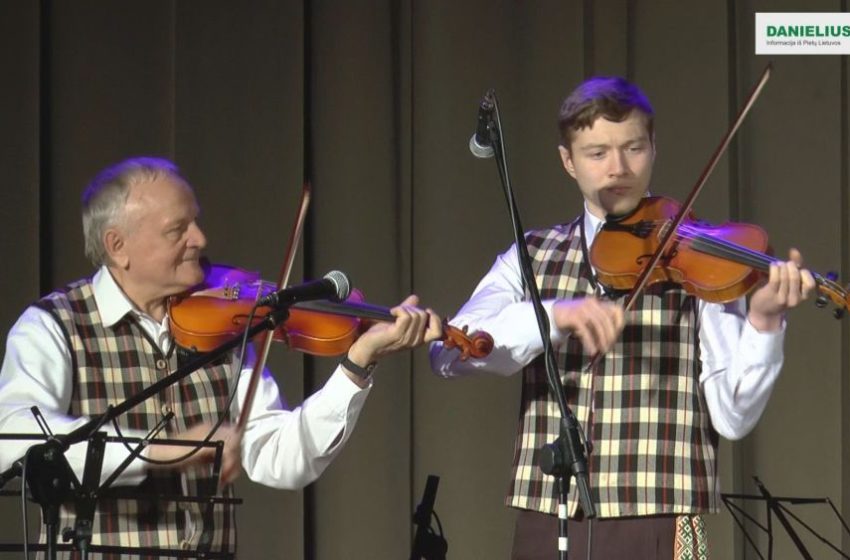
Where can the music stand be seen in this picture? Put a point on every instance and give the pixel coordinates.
(85, 495)
(777, 506)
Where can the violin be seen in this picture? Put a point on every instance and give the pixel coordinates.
(718, 263)
(219, 308)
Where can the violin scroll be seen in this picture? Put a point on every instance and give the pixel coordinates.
(478, 345)
(830, 290)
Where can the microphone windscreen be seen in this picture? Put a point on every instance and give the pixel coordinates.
(478, 150)
(340, 280)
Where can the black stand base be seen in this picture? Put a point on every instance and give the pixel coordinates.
(427, 545)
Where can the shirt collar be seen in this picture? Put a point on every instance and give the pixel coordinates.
(112, 303)
(592, 224)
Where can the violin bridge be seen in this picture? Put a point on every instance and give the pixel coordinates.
(665, 227)
(231, 291)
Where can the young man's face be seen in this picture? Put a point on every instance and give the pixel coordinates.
(612, 163)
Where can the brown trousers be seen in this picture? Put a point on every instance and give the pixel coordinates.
(632, 538)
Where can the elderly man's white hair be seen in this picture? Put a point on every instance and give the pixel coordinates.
(106, 195)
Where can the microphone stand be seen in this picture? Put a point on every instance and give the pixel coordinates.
(565, 457)
(426, 544)
(49, 475)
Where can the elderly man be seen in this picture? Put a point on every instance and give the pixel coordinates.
(104, 338)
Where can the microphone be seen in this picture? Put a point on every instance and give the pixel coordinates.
(480, 144)
(334, 286)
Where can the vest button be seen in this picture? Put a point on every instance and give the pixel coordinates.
(165, 409)
(161, 364)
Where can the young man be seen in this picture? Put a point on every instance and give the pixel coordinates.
(673, 373)
(102, 339)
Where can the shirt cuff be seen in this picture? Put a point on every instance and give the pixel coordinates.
(340, 402)
(555, 334)
(762, 347)
(340, 385)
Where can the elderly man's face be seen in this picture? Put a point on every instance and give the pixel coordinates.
(163, 242)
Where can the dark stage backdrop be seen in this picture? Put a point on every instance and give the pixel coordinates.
(374, 102)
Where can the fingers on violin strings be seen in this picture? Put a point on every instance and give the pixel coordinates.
(411, 301)
(423, 325)
(773, 276)
(795, 256)
(794, 283)
(413, 329)
(782, 283)
(403, 319)
(433, 327)
(807, 282)
(413, 332)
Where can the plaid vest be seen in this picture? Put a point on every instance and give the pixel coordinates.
(653, 445)
(110, 364)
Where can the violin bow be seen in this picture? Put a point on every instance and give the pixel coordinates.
(668, 235)
(267, 337)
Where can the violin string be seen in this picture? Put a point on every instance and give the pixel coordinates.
(744, 255)
(728, 253)
(731, 251)
(722, 248)
(726, 250)
(767, 259)
(822, 281)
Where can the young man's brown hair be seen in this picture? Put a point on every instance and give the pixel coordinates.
(612, 98)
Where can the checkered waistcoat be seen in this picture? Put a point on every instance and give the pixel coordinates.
(110, 364)
(653, 445)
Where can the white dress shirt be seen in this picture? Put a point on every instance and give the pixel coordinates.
(740, 365)
(280, 448)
